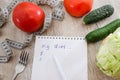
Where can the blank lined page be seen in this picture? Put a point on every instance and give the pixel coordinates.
(60, 58)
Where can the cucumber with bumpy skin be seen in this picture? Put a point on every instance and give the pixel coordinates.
(98, 14)
(103, 32)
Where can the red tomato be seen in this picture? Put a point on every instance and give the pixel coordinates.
(28, 17)
(78, 8)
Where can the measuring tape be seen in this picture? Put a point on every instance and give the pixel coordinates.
(56, 14)
(7, 52)
(3, 16)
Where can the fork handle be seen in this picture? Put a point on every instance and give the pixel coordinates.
(15, 75)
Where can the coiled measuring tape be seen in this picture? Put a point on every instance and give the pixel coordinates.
(13, 4)
(15, 44)
(28, 40)
(7, 44)
(3, 16)
(6, 48)
(53, 3)
(7, 52)
(57, 14)
(3, 59)
(42, 2)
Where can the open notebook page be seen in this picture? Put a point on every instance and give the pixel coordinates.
(60, 58)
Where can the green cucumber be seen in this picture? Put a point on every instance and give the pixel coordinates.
(98, 14)
(102, 32)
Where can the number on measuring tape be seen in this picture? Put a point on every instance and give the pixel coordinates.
(6, 48)
(3, 16)
(30, 0)
(42, 2)
(3, 59)
(53, 3)
(13, 4)
(59, 5)
(58, 14)
(47, 24)
(36, 33)
(28, 39)
(15, 44)
(34, 1)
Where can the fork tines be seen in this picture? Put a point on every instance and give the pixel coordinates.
(24, 57)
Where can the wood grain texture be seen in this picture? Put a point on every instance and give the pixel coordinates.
(69, 27)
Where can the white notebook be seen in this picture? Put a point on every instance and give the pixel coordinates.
(60, 58)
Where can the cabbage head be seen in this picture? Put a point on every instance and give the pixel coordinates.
(108, 56)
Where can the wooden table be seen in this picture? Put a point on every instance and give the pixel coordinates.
(69, 27)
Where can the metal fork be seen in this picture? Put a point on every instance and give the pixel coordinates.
(21, 64)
